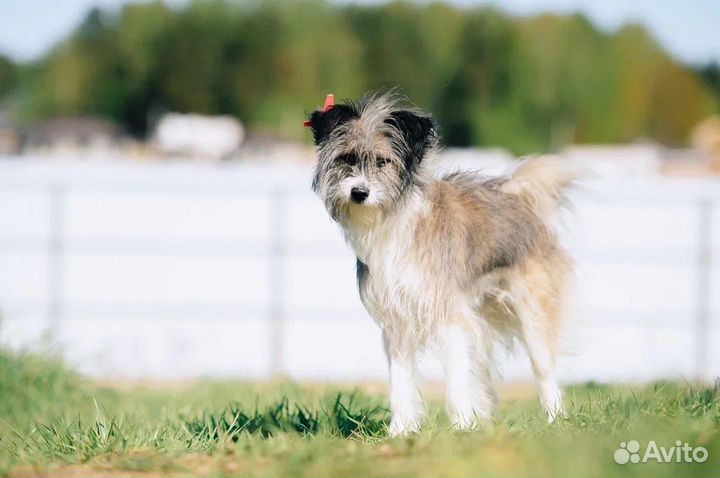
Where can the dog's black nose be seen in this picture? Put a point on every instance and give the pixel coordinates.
(359, 195)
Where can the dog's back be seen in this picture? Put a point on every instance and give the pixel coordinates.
(478, 225)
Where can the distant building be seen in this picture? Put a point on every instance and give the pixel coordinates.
(640, 160)
(267, 147)
(489, 161)
(618, 161)
(706, 138)
(198, 136)
(686, 162)
(71, 136)
(10, 139)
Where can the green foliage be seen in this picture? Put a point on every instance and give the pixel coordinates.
(710, 74)
(527, 84)
(8, 76)
(27, 380)
(338, 417)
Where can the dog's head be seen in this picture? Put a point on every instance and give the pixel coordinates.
(369, 153)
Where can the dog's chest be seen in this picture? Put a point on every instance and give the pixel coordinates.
(398, 284)
(394, 285)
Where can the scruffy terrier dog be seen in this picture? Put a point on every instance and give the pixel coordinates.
(459, 262)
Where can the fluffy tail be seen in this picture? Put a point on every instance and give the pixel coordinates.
(543, 181)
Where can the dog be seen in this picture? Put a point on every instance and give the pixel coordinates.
(459, 262)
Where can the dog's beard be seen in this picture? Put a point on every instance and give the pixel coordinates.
(385, 192)
(365, 216)
(347, 213)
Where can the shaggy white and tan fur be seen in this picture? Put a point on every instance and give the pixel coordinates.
(461, 262)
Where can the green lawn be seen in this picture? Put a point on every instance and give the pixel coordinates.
(53, 422)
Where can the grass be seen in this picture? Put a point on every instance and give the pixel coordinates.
(54, 422)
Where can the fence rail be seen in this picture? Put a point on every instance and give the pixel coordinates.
(304, 318)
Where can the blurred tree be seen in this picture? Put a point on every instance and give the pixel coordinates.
(141, 37)
(710, 74)
(656, 97)
(562, 81)
(316, 54)
(84, 75)
(528, 84)
(481, 81)
(8, 76)
(679, 100)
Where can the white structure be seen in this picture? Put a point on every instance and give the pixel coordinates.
(490, 162)
(199, 136)
(633, 161)
(169, 270)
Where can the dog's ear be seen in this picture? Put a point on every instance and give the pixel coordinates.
(323, 123)
(419, 132)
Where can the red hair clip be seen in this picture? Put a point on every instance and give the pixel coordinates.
(329, 104)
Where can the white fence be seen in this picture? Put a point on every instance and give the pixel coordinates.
(186, 270)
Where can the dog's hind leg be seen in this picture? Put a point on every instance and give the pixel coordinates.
(540, 303)
(470, 396)
(538, 335)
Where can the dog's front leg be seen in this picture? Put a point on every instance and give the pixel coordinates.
(405, 400)
(469, 393)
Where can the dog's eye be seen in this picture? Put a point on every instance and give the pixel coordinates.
(349, 159)
(381, 162)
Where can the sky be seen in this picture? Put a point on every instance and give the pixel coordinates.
(688, 29)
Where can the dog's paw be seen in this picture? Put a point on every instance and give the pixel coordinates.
(470, 419)
(402, 427)
(554, 412)
(461, 424)
(551, 401)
